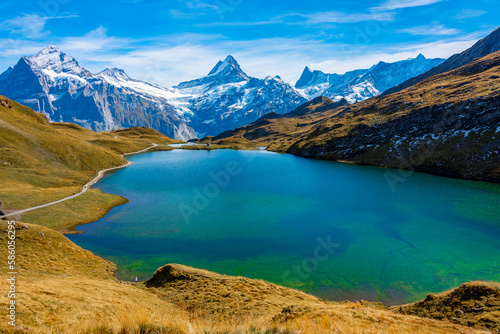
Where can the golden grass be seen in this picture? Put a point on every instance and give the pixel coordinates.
(84, 209)
(65, 289)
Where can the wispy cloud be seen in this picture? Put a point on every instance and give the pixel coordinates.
(94, 42)
(313, 19)
(196, 8)
(186, 57)
(469, 13)
(199, 4)
(239, 24)
(397, 4)
(431, 30)
(30, 26)
(340, 17)
(178, 14)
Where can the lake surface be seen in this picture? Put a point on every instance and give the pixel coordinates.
(338, 231)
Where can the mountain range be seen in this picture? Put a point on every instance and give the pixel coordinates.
(54, 84)
(360, 85)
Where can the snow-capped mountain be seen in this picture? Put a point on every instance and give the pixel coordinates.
(228, 98)
(227, 71)
(55, 84)
(360, 85)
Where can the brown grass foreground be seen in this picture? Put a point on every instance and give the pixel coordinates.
(62, 288)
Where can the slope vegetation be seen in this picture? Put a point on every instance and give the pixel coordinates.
(41, 162)
(472, 304)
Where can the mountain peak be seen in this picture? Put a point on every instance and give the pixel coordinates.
(481, 48)
(53, 59)
(310, 77)
(115, 73)
(228, 67)
(48, 50)
(224, 72)
(230, 59)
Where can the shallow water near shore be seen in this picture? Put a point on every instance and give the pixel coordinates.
(338, 231)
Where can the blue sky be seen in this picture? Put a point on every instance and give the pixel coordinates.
(167, 42)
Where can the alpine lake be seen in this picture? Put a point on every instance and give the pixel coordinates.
(338, 231)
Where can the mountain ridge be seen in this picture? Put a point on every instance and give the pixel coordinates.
(481, 48)
(361, 84)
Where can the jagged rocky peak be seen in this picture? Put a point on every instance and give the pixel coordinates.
(52, 58)
(226, 71)
(276, 78)
(310, 77)
(229, 68)
(53, 83)
(114, 73)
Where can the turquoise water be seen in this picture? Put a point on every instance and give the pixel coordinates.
(338, 231)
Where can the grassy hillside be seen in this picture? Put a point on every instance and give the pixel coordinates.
(472, 304)
(447, 124)
(42, 162)
(65, 289)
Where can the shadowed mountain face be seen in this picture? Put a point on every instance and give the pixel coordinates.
(360, 85)
(447, 124)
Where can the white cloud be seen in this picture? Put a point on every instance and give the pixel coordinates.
(14, 49)
(318, 18)
(469, 13)
(29, 26)
(198, 4)
(197, 8)
(431, 30)
(239, 24)
(397, 4)
(95, 40)
(340, 17)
